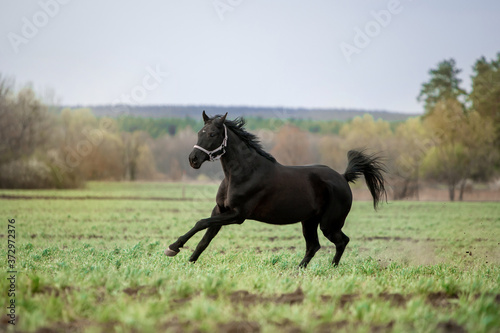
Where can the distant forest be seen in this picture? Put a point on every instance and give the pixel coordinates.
(194, 111)
(168, 119)
(157, 127)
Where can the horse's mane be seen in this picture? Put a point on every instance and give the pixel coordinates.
(251, 140)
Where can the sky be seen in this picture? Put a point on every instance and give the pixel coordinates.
(365, 54)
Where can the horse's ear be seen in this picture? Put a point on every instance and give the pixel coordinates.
(205, 117)
(223, 118)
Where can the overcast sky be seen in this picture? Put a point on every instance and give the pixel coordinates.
(340, 54)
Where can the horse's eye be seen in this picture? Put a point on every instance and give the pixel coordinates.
(212, 135)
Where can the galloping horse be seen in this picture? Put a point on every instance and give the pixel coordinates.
(259, 188)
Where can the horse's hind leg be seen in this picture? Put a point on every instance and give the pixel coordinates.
(310, 231)
(340, 240)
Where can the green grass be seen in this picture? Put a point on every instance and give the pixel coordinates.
(97, 265)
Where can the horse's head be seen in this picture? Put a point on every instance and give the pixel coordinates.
(212, 141)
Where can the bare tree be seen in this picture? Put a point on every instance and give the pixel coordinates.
(292, 146)
(25, 123)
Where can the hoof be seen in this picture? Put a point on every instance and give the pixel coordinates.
(171, 253)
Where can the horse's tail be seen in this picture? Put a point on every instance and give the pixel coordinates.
(372, 168)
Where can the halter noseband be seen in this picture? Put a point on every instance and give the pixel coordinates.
(222, 147)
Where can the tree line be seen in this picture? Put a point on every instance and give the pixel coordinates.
(455, 142)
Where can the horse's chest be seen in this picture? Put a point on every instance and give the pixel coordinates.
(231, 198)
(236, 197)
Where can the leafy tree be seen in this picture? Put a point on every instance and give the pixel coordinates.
(443, 85)
(106, 162)
(132, 144)
(332, 152)
(479, 140)
(75, 123)
(89, 148)
(411, 145)
(138, 158)
(146, 166)
(463, 146)
(485, 94)
(365, 132)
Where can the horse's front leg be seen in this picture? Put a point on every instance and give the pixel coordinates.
(229, 217)
(207, 238)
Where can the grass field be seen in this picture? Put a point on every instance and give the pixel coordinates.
(92, 260)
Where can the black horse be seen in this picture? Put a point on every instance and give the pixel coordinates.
(257, 187)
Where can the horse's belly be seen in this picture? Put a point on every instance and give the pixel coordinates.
(283, 211)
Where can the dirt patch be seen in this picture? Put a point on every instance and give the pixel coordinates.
(288, 326)
(174, 325)
(292, 298)
(141, 290)
(53, 290)
(297, 297)
(75, 326)
(326, 298)
(382, 328)
(247, 298)
(451, 327)
(441, 299)
(181, 301)
(395, 299)
(101, 294)
(346, 326)
(387, 238)
(280, 249)
(79, 237)
(239, 327)
(5, 321)
(437, 299)
(347, 299)
(332, 327)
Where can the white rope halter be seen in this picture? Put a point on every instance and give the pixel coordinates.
(222, 147)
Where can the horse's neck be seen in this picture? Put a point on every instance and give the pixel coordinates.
(240, 161)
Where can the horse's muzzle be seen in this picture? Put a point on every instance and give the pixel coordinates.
(196, 159)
